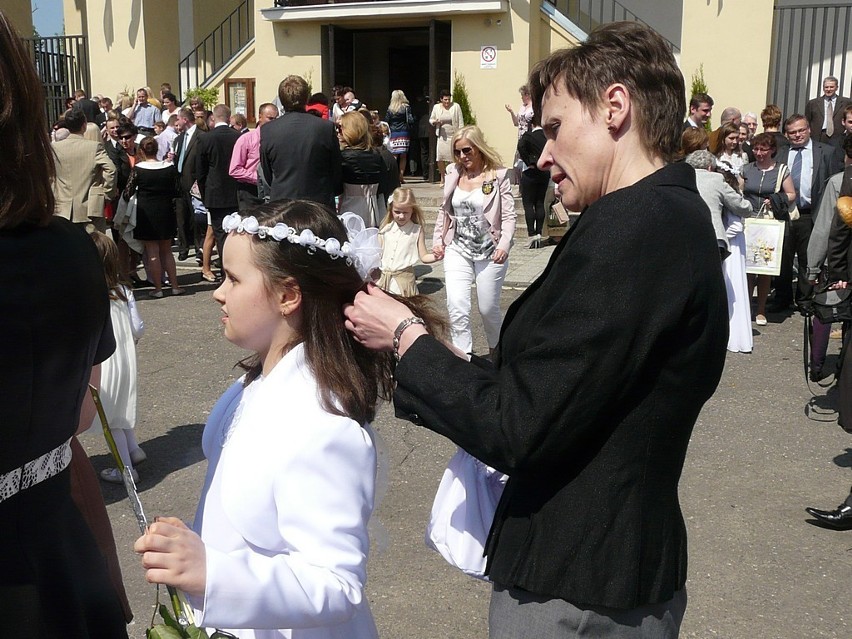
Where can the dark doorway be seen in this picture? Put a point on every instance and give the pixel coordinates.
(336, 57)
(408, 69)
(376, 61)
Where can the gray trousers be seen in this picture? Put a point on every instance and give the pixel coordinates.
(516, 614)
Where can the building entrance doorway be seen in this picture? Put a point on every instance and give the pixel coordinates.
(375, 62)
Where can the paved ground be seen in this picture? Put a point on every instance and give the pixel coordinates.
(762, 450)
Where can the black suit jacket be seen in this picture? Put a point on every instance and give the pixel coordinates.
(188, 174)
(604, 363)
(90, 108)
(212, 161)
(824, 164)
(815, 114)
(122, 164)
(300, 156)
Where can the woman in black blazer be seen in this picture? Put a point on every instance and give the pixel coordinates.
(604, 362)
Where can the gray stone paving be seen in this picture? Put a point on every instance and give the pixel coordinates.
(525, 265)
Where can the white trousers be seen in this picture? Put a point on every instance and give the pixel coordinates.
(460, 273)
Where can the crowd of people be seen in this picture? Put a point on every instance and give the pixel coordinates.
(799, 171)
(775, 174)
(317, 237)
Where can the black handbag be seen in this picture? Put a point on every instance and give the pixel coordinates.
(832, 305)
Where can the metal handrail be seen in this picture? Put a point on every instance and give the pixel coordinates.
(218, 48)
(589, 14)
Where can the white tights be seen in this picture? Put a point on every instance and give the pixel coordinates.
(125, 441)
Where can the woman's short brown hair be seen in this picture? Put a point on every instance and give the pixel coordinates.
(693, 139)
(771, 116)
(765, 139)
(27, 168)
(149, 147)
(634, 55)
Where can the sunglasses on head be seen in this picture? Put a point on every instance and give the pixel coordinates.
(465, 151)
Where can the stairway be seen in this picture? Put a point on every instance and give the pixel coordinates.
(233, 35)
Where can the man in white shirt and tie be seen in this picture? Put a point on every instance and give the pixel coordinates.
(811, 164)
(825, 113)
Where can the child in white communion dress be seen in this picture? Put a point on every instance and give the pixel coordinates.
(279, 545)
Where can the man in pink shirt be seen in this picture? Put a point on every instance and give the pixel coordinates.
(245, 160)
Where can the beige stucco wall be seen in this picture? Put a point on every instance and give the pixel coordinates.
(74, 15)
(20, 14)
(162, 51)
(208, 14)
(280, 50)
(732, 80)
(551, 37)
(131, 44)
(490, 89)
(116, 32)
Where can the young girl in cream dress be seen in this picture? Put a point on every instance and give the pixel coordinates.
(403, 243)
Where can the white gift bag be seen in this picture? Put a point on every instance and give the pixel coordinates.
(463, 511)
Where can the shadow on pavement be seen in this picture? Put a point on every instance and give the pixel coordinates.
(179, 448)
(844, 460)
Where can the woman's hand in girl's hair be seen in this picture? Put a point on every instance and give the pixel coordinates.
(373, 317)
(174, 555)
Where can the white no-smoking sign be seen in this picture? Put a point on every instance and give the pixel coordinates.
(488, 57)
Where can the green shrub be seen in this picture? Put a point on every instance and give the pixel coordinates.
(461, 98)
(210, 96)
(700, 86)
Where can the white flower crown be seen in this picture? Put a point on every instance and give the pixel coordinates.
(361, 250)
(730, 168)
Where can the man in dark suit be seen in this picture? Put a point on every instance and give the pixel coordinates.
(299, 152)
(87, 106)
(185, 150)
(218, 188)
(811, 164)
(825, 113)
(700, 110)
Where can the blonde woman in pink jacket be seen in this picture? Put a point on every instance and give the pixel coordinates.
(473, 234)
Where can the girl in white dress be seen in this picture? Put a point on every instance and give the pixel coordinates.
(118, 373)
(279, 544)
(403, 243)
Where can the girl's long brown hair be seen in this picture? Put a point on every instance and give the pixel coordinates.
(350, 377)
(28, 166)
(108, 251)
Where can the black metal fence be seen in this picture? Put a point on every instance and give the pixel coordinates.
(809, 42)
(214, 52)
(62, 63)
